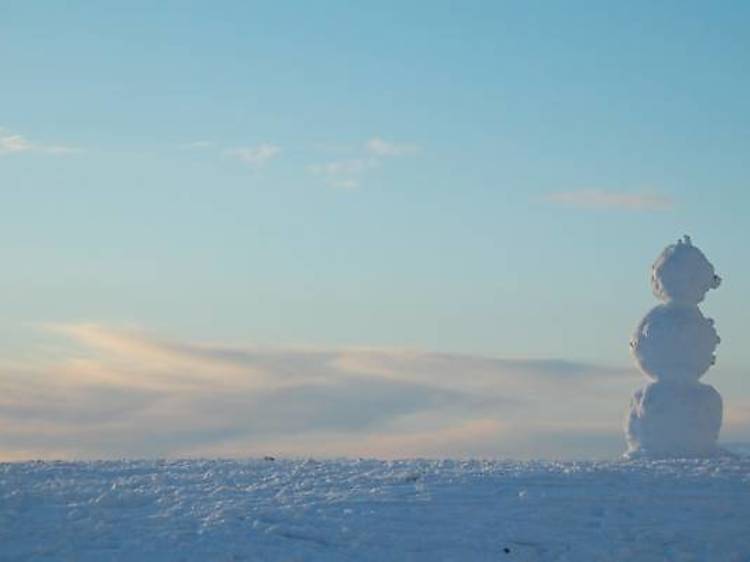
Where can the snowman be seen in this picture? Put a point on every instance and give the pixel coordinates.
(675, 415)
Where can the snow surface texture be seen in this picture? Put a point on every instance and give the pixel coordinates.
(367, 510)
(674, 345)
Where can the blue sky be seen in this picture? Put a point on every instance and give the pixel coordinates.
(487, 179)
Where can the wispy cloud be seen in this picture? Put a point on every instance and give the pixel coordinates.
(11, 143)
(255, 156)
(345, 174)
(349, 173)
(380, 147)
(196, 145)
(113, 393)
(602, 199)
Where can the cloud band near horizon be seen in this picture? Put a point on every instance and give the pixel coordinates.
(114, 393)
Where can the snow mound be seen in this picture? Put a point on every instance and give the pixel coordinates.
(368, 510)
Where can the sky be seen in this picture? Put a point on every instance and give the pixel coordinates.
(364, 229)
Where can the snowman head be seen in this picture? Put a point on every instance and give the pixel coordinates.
(682, 274)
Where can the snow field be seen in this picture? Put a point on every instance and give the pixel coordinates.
(295, 510)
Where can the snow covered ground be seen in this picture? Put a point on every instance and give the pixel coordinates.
(284, 510)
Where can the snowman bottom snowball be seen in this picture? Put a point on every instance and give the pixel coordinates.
(669, 419)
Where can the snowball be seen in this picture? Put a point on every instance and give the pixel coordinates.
(674, 420)
(682, 274)
(674, 343)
